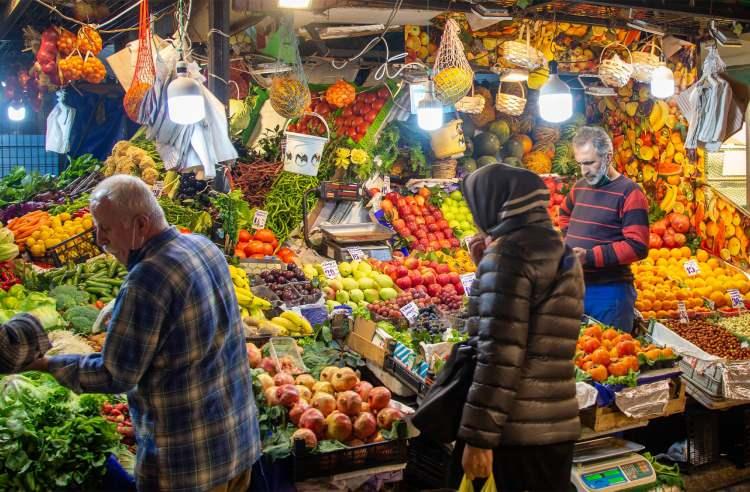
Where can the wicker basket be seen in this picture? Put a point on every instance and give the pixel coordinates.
(470, 104)
(644, 62)
(510, 103)
(444, 169)
(521, 53)
(615, 72)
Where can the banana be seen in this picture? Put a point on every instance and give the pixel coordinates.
(298, 320)
(669, 200)
(259, 302)
(288, 325)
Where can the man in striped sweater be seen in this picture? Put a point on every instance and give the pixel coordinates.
(604, 219)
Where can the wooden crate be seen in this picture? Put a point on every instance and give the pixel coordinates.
(601, 419)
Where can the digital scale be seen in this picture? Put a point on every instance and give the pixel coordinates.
(610, 464)
(371, 238)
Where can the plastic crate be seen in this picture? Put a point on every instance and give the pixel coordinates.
(429, 464)
(77, 249)
(735, 435)
(311, 465)
(286, 348)
(702, 437)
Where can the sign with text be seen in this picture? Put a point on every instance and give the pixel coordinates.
(682, 311)
(467, 279)
(410, 312)
(356, 253)
(737, 301)
(259, 219)
(330, 269)
(691, 268)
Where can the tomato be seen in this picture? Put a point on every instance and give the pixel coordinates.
(352, 132)
(348, 111)
(265, 236)
(362, 128)
(357, 120)
(384, 93)
(370, 116)
(244, 236)
(370, 98)
(378, 104)
(267, 249)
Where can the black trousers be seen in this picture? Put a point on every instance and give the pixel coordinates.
(524, 468)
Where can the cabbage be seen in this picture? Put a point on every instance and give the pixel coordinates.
(48, 316)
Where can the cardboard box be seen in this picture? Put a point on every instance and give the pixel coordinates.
(360, 340)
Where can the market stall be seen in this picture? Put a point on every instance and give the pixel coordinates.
(336, 201)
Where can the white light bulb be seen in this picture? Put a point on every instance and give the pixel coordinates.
(429, 114)
(294, 4)
(514, 75)
(555, 99)
(662, 82)
(16, 112)
(185, 102)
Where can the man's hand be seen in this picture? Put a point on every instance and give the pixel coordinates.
(41, 364)
(580, 254)
(477, 462)
(477, 245)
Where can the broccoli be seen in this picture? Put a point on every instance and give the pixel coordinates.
(68, 296)
(81, 319)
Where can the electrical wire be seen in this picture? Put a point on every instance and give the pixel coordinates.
(136, 4)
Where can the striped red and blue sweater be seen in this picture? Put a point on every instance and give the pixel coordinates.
(611, 223)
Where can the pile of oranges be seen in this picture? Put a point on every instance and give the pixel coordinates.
(662, 282)
(604, 352)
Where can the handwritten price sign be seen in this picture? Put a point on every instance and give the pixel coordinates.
(259, 219)
(410, 312)
(682, 311)
(330, 269)
(691, 268)
(467, 279)
(356, 253)
(737, 301)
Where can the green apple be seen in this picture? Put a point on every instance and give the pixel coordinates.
(384, 281)
(349, 284)
(345, 269)
(356, 295)
(388, 293)
(372, 295)
(366, 283)
(342, 296)
(456, 195)
(364, 267)
(331, 304)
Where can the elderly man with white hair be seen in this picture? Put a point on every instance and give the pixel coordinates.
(175, 345)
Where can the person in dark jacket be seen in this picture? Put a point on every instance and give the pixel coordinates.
(520, 420)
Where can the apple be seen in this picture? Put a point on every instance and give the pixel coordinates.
(443, 278)
(434, 290)
(403, 283)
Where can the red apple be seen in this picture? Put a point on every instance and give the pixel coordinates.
(428, 278)
(403, 283)
(402, 271)
(455, 278)
(416, 278)
(442, 268)
(411, 263)
(434, 290)
(443, 278)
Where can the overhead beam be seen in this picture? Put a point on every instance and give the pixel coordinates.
(697, 8)
(12, 12)
(218, 49)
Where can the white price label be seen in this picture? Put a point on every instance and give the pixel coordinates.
(709, 303)
(259, 219)
(691, 268)
(356, 253)
(158, 188)
(737, 301)
(467, 279)
(330, 269)
(410, 312)
(386, 185)
(682, 310)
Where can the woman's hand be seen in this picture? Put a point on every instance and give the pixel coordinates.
(477, 245)
(477, 462)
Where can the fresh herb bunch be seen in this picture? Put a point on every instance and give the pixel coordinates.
(80, 166)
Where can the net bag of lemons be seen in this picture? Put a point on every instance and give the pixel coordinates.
(453, 76)
(289, 93)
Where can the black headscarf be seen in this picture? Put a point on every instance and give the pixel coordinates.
(503, 198)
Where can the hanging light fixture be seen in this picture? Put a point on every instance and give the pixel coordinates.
(514, 75)
(430, 111)
(294, 4)
(16, 111)
(662, 82)
(185, 102)
(555, 99)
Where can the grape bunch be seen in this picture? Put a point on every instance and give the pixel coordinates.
(189, 186)
(289, 283)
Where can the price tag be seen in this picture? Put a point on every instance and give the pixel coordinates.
(737, 301)
(466, 280)
(157, 188)
(691, 268)
(259, 219)
(386, 185)
(682, 311)
(410, 312)
(330, 269)
(356, 253)
(709, 304)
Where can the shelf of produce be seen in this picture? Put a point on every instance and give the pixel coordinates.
(405, 375)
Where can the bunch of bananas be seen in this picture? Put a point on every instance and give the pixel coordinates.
(293, 324)
(250, 304)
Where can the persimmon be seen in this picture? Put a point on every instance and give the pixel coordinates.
(667, 353)
(590, 344)
(653, 354)
(598, 373)
(244, 236)
(600, 356)
(626, 347)
(609, 334)
(265, 236)
(619, 368)
(594, 331)
(631, 361)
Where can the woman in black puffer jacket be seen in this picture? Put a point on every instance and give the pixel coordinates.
(520, 419)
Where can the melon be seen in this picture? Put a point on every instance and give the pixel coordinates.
(486, 144)
(469, 164)
(486, 160)
(514, 148)
(512, 161)
(501, 129)
(668, 169)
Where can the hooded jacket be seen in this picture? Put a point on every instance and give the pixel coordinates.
(525, 310)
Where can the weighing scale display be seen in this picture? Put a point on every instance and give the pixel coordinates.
(604, 478)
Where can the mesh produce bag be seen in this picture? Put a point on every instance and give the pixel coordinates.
(289, 94)
(145, 72)
(453, 75)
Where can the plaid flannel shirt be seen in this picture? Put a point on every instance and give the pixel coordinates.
(22, 341)
(175, 344)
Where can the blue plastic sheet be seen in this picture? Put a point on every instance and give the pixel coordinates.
(117, 479)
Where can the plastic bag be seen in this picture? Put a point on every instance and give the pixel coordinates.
(289, 93)
(145, 72)
(453, 76)
(468, 486)
(59, 124)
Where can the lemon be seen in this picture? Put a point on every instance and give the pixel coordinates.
(50, 242)
(64, 216)
(38, 249)
(87, 223)
(30, 242)
(45, 235)
(36, 234)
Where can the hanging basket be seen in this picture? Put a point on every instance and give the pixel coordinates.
(470, 104)
(302, 153)
(615, 72)
(510, 103)
(521, 53)
(444, 169)
(645, 62)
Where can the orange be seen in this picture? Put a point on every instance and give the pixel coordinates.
(701, 255)
(664, 253)
(713, 263)
(650, 314)
(686, 253)
(657, 305)
(661, 314)
(645, 305)
(675, 253)
(717, 298)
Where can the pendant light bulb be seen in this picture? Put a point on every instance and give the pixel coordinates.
(662, 82)
(185, 102)
(16, 111)
(555, 99)
(294, 4)
(429, 111)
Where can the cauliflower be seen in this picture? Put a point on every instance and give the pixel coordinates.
(110, 166)
(150, 175)
(121, 148)
(146, 163)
